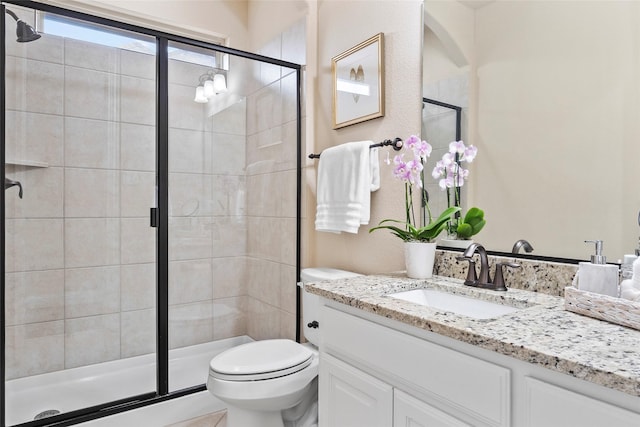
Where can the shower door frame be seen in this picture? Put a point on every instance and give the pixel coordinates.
(457, 109)
(159, 215)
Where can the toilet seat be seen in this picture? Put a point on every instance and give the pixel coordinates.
(260, 360)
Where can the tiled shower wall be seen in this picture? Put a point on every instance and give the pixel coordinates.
(271, 190)
(207, 221)
(80, 253)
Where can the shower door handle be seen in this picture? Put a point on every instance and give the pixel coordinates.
(153, 217)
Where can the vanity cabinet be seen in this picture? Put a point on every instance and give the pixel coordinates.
(377, 372)
(426, 383)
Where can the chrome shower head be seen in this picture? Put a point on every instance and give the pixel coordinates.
(24, 32)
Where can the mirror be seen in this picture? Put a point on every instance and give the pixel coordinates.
(550, 95)
(441, 124)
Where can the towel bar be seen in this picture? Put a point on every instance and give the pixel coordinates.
(396, 144)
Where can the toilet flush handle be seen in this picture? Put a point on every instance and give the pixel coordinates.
(313, 325)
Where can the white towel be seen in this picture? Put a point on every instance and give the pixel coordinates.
(347, 174)
(374, 168)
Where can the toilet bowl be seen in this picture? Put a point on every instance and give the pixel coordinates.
(261, 379)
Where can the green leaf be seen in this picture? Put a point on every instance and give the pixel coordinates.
(474, 213)
(472, 223)
(464, 231)
(477, 227)
(423, 234)
(445, 216)
(402, 234)
(433, 229)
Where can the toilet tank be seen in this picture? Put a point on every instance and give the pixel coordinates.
(311, 302)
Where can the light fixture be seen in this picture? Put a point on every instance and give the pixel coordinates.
(209, 88)
(209, 85)
(219, 83)
(24, 31)
(200, 95)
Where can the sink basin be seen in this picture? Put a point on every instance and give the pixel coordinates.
(458, 304)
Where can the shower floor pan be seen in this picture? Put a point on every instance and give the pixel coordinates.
(86, 386)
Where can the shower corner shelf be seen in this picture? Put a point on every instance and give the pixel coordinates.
(30, 163)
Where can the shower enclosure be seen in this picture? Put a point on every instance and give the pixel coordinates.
(159, 209)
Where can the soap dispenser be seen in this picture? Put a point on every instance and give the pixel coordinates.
(597, 276)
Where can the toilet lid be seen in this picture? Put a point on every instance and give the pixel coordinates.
(261, 360)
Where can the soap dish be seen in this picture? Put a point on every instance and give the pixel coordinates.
(604, 307)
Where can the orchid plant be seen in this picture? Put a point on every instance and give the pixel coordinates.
(411, 173)
(452, 175)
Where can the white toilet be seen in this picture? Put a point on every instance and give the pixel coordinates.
(261, 379)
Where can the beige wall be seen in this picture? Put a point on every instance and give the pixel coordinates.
(247, 24)
(454, 24)
(192, 18)
(341, 25)
(268, 18)
(437, 63)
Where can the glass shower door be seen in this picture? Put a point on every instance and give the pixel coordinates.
(80, 259)
(232, 203)
(207, 226)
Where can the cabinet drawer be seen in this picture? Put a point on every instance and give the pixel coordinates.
(464, 383)
(550, 406)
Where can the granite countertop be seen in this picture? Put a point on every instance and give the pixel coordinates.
(542, 332)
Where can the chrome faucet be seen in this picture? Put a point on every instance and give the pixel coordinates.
(521, 244)
(484, 280)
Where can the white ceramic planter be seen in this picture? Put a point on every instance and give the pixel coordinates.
(419, 258)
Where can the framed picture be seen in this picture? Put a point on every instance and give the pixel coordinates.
(358, 83)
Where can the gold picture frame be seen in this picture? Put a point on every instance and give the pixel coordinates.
(358, 83)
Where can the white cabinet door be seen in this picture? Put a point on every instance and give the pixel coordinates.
(411, 412)
(552, 406)
(350, 398)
